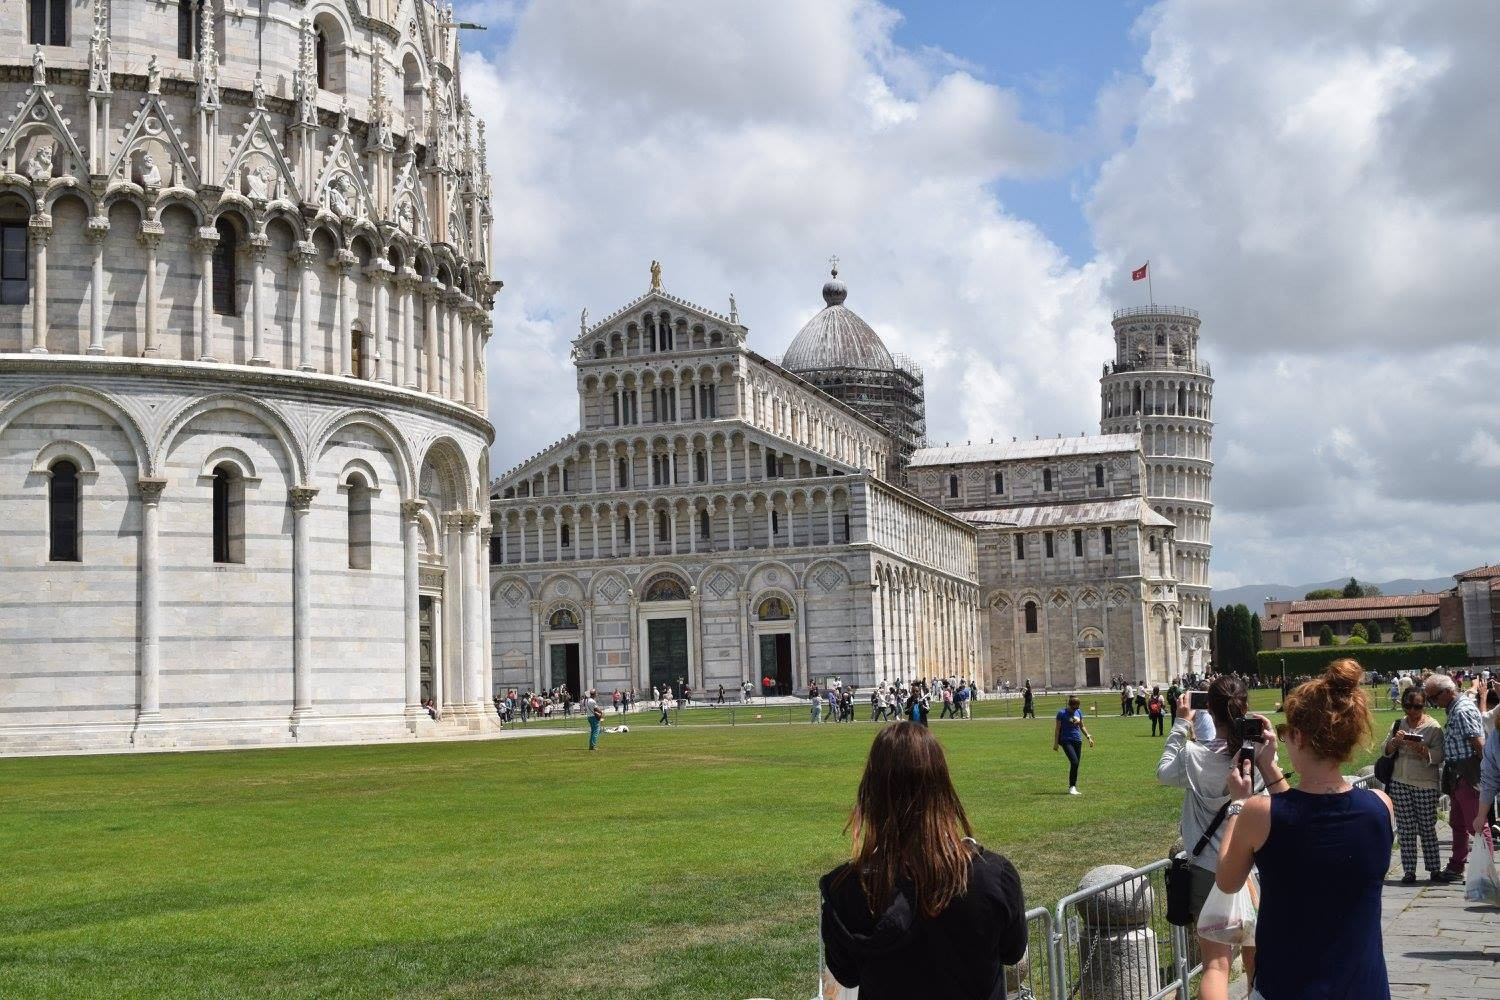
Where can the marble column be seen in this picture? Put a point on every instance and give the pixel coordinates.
(407, 283)
(802, 658)
(586, 654)
(468, 525)
(302, 257)
(451, 302)
(465, 332)
(301, 498)
(149, 548)
(41, 232)
(430, 291)
(412, 604)
(150, 239)
(97, 231)
(204, 243)
(377, 272)
(257, 247)
(343, 323)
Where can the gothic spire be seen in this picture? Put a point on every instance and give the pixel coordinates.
(99, 82)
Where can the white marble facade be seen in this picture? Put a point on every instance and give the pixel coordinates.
(244, 299)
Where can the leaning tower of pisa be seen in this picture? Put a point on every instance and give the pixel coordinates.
(1158, 386)
(245, 286)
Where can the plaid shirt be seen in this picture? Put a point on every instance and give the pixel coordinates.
(1464, 725)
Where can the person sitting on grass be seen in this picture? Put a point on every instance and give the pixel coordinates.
(1322, 849)
(920, 910)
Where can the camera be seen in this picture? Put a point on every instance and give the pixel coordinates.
(1198, 701)
(1249, 731)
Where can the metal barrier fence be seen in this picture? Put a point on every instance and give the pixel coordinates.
(1112, 940)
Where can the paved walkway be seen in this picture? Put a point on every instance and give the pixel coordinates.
(1436, 943)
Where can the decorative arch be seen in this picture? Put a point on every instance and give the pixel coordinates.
(450, 470)
(296, 460)
(774, 605)
(382, 426)
(233, 456)
(42, 395)
(666, 585)
(562, 616)
(80, 455)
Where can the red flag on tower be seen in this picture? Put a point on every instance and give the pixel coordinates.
(1139, 274)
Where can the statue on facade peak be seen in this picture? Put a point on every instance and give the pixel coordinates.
(656, 275)
(38, 66)
(583, 321)
(153, 76)
(257, 92)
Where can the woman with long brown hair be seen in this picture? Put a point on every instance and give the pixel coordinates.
(921, 910)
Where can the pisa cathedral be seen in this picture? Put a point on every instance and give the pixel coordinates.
(720, 518)
(245, 290)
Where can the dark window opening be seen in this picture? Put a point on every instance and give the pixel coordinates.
(228, 515)
(999, 482)
(225, 276)
(567, 536)
(775, 523)
(1109, 541)
(320, 56)
(1099, 475)
(703, 524)
(1077, 542)
(1047, 543)
(663, 526)
(622, 473)
(62, 513)
(15, 264)
(952, 486)
(359, 524)
(1031, 616)
(49, 22)
(1047, 480)
(1020, 546)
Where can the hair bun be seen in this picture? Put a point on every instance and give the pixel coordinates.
(1344, 675)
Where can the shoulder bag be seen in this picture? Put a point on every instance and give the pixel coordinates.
(1385, 764)
(1179, 875)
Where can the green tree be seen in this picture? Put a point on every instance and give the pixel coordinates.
(1372, 631)
(1325, 636)
(1358, 632)
(1255, 637)
(1353, 589)
(1355, 640)
(1402, 631)
(1244, 646)
(1323, 594)
(1368, 590)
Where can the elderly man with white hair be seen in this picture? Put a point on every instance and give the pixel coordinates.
(1463, 742)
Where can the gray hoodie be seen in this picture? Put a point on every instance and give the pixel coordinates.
(1203, 770)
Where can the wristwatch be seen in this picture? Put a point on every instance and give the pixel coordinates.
(1235, 808)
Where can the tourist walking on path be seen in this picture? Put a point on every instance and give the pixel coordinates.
(921, 910)
(1463, 741)
(1203, 770)
(1069, 733)
(1416, 742)
(1322, 849)
(1028, 703)
(595, 715)
(1156, 709)
(665, 704)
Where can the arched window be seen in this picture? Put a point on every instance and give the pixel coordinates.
(775, 523)
(700, 466)
(666, 588)
(1047, 480)
(412, 87)
(562, 618)
(705, 526)
(999, 482)
(359, 523)
(49, 22)
(357, 352)
(773, 609)
(567, 536)
(189, 28)
(320, 58)
(953, 486)
(663, 526)
(1099, 474)
(229, 514)
(626, 525)
(1030, 616)
(622, 473)
(226, 277)
(62, 512)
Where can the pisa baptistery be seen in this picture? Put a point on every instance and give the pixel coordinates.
(1158, 387)
(245, 289)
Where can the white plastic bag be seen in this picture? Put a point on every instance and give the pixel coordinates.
(1229, 918)
(1482, 879)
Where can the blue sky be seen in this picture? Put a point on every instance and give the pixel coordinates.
(989, 173)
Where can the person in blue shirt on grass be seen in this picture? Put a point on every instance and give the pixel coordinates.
(1069, 734)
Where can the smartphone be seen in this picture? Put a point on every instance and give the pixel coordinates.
(1413, 737)
(1198, 701)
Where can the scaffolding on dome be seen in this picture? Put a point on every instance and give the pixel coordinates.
(893, 398)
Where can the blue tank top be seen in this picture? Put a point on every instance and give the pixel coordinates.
(1321, 873)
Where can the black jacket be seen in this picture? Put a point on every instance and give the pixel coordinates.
(900, 955)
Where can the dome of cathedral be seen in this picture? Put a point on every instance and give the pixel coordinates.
(836, 338)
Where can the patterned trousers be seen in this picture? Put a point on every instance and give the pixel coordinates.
(1416, 817)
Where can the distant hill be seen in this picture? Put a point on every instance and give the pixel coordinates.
(1254, 595)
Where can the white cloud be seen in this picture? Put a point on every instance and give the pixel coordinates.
(1315, 178)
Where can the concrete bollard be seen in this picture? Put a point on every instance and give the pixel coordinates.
(1368, 771)
(1117, 953)
(1018, 978)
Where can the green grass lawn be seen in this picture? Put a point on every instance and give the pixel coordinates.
(673, 863)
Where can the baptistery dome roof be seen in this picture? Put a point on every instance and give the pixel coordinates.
(836, 338)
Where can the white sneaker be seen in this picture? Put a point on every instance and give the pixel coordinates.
(1074, 791)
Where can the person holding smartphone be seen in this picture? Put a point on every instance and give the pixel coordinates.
(1416, 741)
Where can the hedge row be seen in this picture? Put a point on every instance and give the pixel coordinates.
(1385, 658)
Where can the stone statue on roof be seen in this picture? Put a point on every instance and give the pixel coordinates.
(656, 275)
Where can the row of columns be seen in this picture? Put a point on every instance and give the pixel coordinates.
(1154, 397)
(923, 631)
(718, 468)
(525, 553)
(455, 325)
(474, 600)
